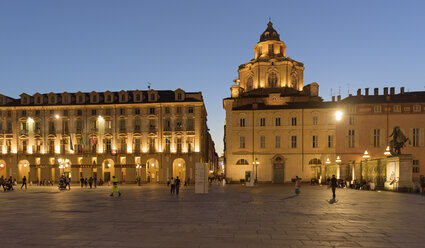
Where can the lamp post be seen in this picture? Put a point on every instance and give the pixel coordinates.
(256, 163)
(387, 151)
(366, 156)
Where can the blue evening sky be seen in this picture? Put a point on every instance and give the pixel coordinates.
(55, 46)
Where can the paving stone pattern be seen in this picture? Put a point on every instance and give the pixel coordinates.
(229, 216)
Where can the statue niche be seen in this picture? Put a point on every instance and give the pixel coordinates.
(398, 141)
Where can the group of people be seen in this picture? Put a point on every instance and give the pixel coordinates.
(7, 184)
(175, 185)
(92, 181)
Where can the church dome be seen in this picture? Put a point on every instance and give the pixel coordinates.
(270, 33)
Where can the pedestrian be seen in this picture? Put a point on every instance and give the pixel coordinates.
(168, 182)
(11, 183)
(95, 181)
(422, 182)
(91, 182)
(2, 183)
(82, 181)
(86, 182)
(24, 182)
(333, 185)
(297, 185)
(173, 186)
(68, 182)
(115, 186)
(177, 182)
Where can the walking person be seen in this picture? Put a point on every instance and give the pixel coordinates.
(91, 182)
(11, 183)
(2, 183)
(297, 185)
(173, 186)
(333, 185)
(68, 182)
(177, 182)
(24, 182)
(86, 182)
(95, 181)
(115, 186)
(82, 181)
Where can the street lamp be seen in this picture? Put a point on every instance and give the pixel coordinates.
(338, 160)
(387, 151)
(366, 155)
(256, 163)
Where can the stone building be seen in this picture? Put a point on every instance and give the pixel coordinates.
(276, 126)
(150, 135)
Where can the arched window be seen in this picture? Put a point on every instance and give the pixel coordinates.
(272, 80)
(242, 162)
(315, 161)
(137, 97)
(249, 84)
(123, 98)
(109, 98)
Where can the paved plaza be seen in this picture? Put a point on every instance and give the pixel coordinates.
(229, 216)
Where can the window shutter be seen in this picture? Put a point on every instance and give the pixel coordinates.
(421, 137)
(346, 139)
(371, 137)
(383, 138)
(410, 135)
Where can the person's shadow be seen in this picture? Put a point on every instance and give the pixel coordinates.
(332, 201)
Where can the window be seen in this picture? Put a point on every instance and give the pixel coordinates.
(277, 121)
(351, 137)
(79, 112)
(350, 120)
(190, 110)
(272, 80)
(293, 121)
(65, 112)
(271, 49)
(122, 98)
(152, 111)
(415, 166)
(108, 145)
(167, 110)
(122, 111)
(397, 108)
(377, 108)
(262, 141)
(24, 100)
(152, 97)
(138, 99)
(80, 99)
(179, 110)
(262, 122)
(137, 111)
(277, 142)
(315, 161)
(415, 137)
(242, 142)
(179, 145)
(108, 98)
(137, 124)
(167, 145)
(242, 162)
(94, 98)
(179, 96)
(151, 145)
(24, 113)
(315, 120)
(242, 122)
(376, 137)
(190, 124)
(417, 108)
(293, 141)
(315, 141)
(93, 112)
(122, 124)
(330, 141)
(108, 111)
(152, 124)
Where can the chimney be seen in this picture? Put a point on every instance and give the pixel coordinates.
(333, 98)
(392, 91)
(338, 98)
(366, 91)
(376, 91)
(401, 90)
(359, 92)
(385, 91)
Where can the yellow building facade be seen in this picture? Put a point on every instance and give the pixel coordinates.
(276, 126)
(151, 135)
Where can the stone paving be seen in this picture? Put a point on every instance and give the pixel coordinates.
(229, 216)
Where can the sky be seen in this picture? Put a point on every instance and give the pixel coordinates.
(98, 45)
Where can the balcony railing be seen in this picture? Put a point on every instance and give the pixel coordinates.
(137, 129)
(37, 131)
(152, 129)
(108, 130)
(23, 132)
(52, 131)
(123, 130)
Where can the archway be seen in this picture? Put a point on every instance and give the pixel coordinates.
(152, 171)
(3, 169)
(24, 170)
(108, 170)
(65, 167)
(179, 169)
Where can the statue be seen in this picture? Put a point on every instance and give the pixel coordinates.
(398, 141)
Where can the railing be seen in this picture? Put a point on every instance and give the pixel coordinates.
(23, 132)
(52, 131)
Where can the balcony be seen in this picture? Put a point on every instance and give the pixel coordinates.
(65, 132)
(152, 129)
(79, 130)
(137, 129)
(94, 130)
(108, 130)
(52, 131)
(123, 130)
(37, 131)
